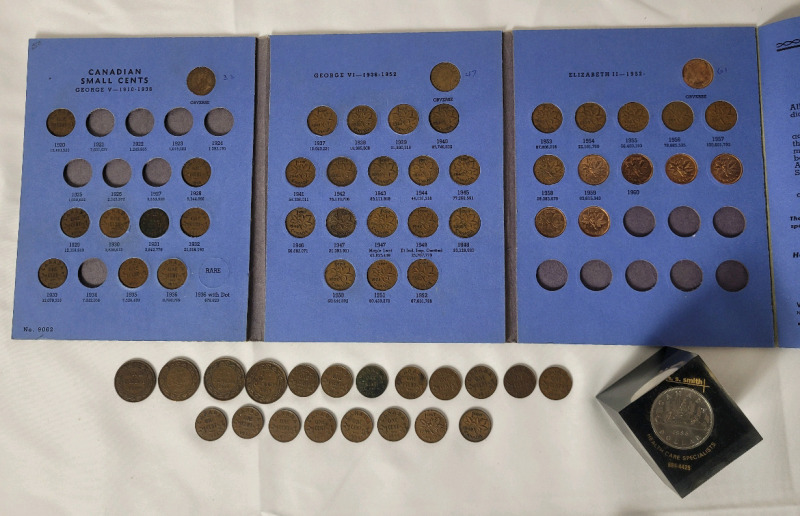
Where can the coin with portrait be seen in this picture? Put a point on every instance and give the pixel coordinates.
(445, 76)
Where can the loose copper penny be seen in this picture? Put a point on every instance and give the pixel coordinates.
(726, 168)
(633, 117)
(550, 222)
(196, 172)
(590, 117)
(179, 379)
(465, 222)
(481, 382)
(393, 424)
(322, 120)
(445, 383)
(135, 380)
(371, 381)
(133, 272)
(52, 273)
(411, 382)
(403, 118)
(383, 171)
(443, 118)
(60, 122)
(300, 172)
(201, 80)
(431, 425)
(593, 169)
(114, 223)
(224, 378)
(172, 273)
(422, 274)
(356, 425)
(154, 223)
(475, 425)
(75, 222)
(284, 425)
(423, 170)
(423, 222)
(266, 381)
(677, 116)
(303, 380)
(341, 171)
(211, 424)
(337, 380)
(721, 116)
(340, 222)
(547, 118)
(300, 222)
(445, 76)
(382, 275)
(195, 222)
(519, 381)
(320, 425)
(247, 422)
(555, 383)
(340, 275)
(464, 170)
(681, 169)
(637, 169)
(698, 73)
(594, 221)
(382, 222)
(548, 169)
(362, 120)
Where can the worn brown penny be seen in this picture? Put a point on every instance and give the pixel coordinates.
(423, 222)
(133, 272)
(726, 168)
(422, 274)
(465, 222)
(211, 424)
(362, 120)
(154, 223)
(300, 172)
(371, 381)
(594, 221)
(698, 73)
(322, 120)
(677, 116)
(475, 425)
(431, 425)
(196, 172)
(60, 122)
(443, 118)
(224, 378)
(548, 169)
(201, 80)
(382, 275)
(633, 117)
(135, 380)
(681, 169)
(303, 380)
(445, 76)
(445, 383)
(382, 222)
(337, 380)
(320, 425)
(411, 382)
(284, 425)
(179, 379)
(555, 383)
(52, 273)
(75, 222)
(550, 222)
(481, 382)
(340, 275)
(247, 422)
(382, 171)
(393, 424)
(423, 170)
(114, 222)
(547, 118)
(195, 222)
(464, 170)
(265, 381)
(172, 273)
(637, 169)
(721, 116)
(590, 117)
(341, 171)
(593, 169)
(340, 222)
(519, 381)
(403, 118)
(300, 222)
(356, 425)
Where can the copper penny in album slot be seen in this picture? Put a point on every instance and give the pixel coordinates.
(201, 80)
(590, 117)
(555, 383)
(465, 222)
(431, 425)
(340, 275)
(303, 380)
(594, 221)
(411, 382)
(403, 118)
(383, 171)
(300, 172)
(681, 169)
(337, 380)
(320, 425)
(224, 378)
(721, 116)
(322, 120)
(547, 118)
(726, 168)
(464, 170)
(633, 117)
(423, 170)
(481, 382)
(422, 274)
(677, 116)
(60, 122)
(135, 380)
(172, 273)
(265, 381)
(196, 172)
(637, 169)
(341, 171)
(393, 424)
(382, 222)
(550, 222)
(356, 425)
(698, 73)
(52, 273)
(211, 424)
(247, 422)
(300, 222)
(284, 425)
(362, 120)
(443, 118)
(133, 272)
(179, 379)
(593, 169)
(195, 222)
(548, 169)
(519, 381)
(445, 76)
(372, 381)
(114, 223)
(475, 425)
(382, 275)
(75, 222)
(423, 222)
(445, 383)
(340, 222)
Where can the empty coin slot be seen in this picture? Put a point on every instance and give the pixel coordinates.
(219, 121)
(641, 275)
(117, 173)
(178, 121)
(732, 275)
(100, 122)
(729, 222)
(684, 221)
(639, 221)
(140, 122)
(686, 275)
(551, 274)
(78, 173)
(596, 275)
(92, 273)
(157, 172)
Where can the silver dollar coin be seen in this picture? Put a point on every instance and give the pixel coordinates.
(682, 418)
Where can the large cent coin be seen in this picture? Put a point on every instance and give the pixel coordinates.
(726, 168)
(300, 222)
(445, 383)
(266, 381)
(224, 378)
(590, 117)
(382, 222)
(247, 422)
(411, 382)
(114, 222)
(677, 116)
(443, 118)
(75, 222)
(300, 172)
(431, 425)
(465, 222)
(682, 418)
(681, 169)
(382, 275)
(464, 170)
(422, 274)
(594, 221)
(481, 382)
(172, 273)
(555, 383)
(322, 120)
(403, 118)
(303, 380)
(133, 272)
(195, 222)
(721, 116)
(211, 424)
(548, 169)
(547, 118)
(637, 169)
(341, 171)
(356, 425)
(633, 117)
(60, 122)
(135, 380)
(423, 222)
(393, 424)
(320, 425)
(519, 381)
(445, 76)
(593, 169)
(372, 381)
(340, 275)
(196, 172)
(201, 80)
(340, 222)
(154, 223)
(383, 171)
(284, 425)
(698, 73)
(337, 380)
(550, 222)
(179, 379)
(423, 170)
(52, 273)
(475, 425)
(362, 120)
